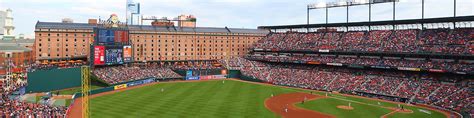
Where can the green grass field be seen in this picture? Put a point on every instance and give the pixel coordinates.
(213, 99)
(363, 108)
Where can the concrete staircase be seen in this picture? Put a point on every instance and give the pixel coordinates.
(398, 87)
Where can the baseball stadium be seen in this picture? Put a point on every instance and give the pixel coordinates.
(398, 68)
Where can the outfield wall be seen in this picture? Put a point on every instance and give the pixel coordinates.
(234, 74)
(117, 87)
(54, 79)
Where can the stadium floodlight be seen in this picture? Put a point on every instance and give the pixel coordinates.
(359, 2)
(343, 3)
(317, 5)
(347, 4)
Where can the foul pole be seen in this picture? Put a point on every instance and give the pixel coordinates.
(85, 91)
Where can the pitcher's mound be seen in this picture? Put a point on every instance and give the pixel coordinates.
(345, 107)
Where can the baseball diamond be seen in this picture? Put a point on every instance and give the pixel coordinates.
(236, 98)
(237, 59)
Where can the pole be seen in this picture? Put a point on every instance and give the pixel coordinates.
(454, 23)
(327, 9)
(85, 91)
(455, 8)
(422, 13)
(126, 12)
(307, 18)
(393, 25)
(347, 16)
(370, 13)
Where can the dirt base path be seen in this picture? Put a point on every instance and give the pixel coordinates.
(277, 104)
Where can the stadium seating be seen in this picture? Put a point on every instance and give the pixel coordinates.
(440, 41)
(440, 91)
(14, 108)
(446, 65)
(118, 74)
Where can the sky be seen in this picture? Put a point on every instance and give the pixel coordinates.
(221, 13)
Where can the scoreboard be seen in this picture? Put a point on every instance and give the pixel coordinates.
(121, 36)
(111, 47)
(112, 36)
(113, 56)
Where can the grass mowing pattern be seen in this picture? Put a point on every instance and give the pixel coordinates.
(364, 110)
(213, 99)
(209, 99)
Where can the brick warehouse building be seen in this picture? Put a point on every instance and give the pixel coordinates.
(19, 56)
(64, 41)
(18, 52)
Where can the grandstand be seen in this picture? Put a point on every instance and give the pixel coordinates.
(410, 61)
(426, 65)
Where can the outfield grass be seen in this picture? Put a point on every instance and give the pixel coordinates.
(213, 99)
(363, 108)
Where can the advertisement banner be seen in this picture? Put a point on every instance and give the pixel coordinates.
(219, 76)
(334, 64)
(193, 78)
(409, 69)
(209, 77)
(99, 58)
(121, 86)
(206, 77)
(189, 73)
(380, 67)
(136, 83)
(323, 50)
(127, 53)
(437, 70)
(314, 62)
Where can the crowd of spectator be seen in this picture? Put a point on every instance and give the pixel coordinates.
(193, 65)
(125, 73)
(34, 67)
(439, 64)
(439, 90)
(12, 107)
(440, 41)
